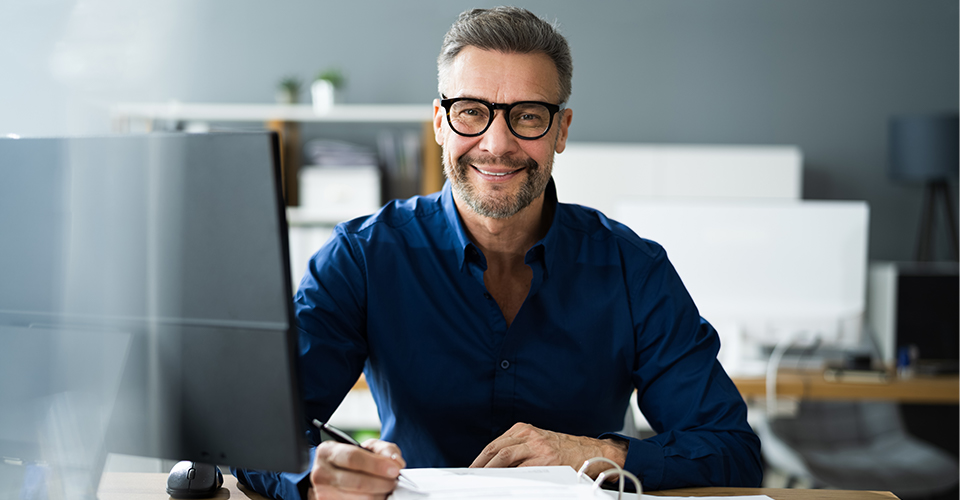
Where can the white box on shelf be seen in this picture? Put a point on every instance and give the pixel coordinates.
(339, 193)
(328, 195)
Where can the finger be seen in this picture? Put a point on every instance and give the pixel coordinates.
(328, 492)
(492, 449)
(511, 456)
(363, 460)
(387, 449)
(518, 433)
(334, 483)
(353, 469)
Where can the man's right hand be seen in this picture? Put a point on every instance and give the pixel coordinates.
(343, 471)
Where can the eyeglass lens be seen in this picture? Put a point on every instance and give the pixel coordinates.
(526, 119)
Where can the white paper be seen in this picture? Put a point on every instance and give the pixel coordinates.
(521, 483)
(526, 483)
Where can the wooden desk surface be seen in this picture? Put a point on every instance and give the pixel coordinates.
(940, 389)
(152, 486)
(779, 493)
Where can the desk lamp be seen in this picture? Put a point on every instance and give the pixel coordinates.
(924, 148)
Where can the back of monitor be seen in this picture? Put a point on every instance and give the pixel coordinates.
(177, 243)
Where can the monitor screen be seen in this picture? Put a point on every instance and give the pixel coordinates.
(145, 304)
(763, 272)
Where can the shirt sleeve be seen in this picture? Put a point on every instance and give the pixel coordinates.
(703, 438)
(279, 485)
(330, 307)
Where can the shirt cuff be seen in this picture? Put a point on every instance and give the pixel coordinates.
(644, 460)
(282, 485)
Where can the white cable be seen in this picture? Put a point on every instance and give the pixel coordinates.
(773, 366)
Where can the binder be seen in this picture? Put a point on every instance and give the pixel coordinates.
(547, 483)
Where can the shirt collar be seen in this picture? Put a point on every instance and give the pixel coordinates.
(541, 249)
(463, 244)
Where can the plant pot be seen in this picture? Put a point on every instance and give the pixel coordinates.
(285, 96)
(324, 94)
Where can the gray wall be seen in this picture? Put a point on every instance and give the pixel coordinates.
(822, 74)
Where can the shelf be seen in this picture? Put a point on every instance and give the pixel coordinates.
(211, 112)
(285, 120)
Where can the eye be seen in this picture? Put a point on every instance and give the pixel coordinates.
(530, 115)
(469, 110)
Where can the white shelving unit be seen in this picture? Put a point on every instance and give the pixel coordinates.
(286, 120)
(124, 114)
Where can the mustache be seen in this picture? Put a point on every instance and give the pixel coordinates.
(515, 163)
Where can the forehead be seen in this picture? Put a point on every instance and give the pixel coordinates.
(503, 76)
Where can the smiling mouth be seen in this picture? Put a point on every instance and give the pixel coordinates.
(496, 174)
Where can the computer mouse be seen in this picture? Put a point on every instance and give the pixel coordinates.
(194, 480)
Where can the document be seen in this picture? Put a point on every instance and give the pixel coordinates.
(519, 483)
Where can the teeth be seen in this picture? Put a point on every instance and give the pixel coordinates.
(500, 174)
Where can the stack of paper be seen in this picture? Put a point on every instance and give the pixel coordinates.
(522, 483)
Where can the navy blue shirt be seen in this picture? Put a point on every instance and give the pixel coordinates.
(400, 296)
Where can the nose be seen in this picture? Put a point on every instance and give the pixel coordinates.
(498, 140)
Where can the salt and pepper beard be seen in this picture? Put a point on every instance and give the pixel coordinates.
(500, 204)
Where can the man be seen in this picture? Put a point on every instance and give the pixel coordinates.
(500, 328)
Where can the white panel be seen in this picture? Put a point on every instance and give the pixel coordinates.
(358, 411)
(601, 175)
(766, 268)
(304, 241)
(339, 193)
(882, 308)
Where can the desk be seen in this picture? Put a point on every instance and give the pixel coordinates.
(940, 389)
(152, 486)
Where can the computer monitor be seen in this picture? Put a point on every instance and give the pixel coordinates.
(765, 272)
(145, 305)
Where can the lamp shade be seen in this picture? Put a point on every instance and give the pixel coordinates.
(924, 147)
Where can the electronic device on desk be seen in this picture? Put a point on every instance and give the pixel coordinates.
(145, 307)
(765, 273)
(913, 308)
(857, 369)
(194, 480)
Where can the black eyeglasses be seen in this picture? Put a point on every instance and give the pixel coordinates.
(525, 119)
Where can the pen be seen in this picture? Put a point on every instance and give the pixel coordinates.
(343, 437)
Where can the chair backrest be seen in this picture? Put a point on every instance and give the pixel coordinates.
(830, 425)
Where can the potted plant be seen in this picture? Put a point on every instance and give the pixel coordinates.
(288, 90)
(324, 89)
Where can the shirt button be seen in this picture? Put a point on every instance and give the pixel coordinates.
(487, 295)
(504, 364)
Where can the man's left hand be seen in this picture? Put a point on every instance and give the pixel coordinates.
(525, 445)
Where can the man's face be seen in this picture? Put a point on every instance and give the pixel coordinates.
(498, 174)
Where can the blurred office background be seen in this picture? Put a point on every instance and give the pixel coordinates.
(822, 75)
(819, 74)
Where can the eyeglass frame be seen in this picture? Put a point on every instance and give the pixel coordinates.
(446, 102)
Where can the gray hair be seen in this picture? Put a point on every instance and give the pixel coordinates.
(508, 30)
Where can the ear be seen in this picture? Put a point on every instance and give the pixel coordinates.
(438, 113)
(564, 123)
